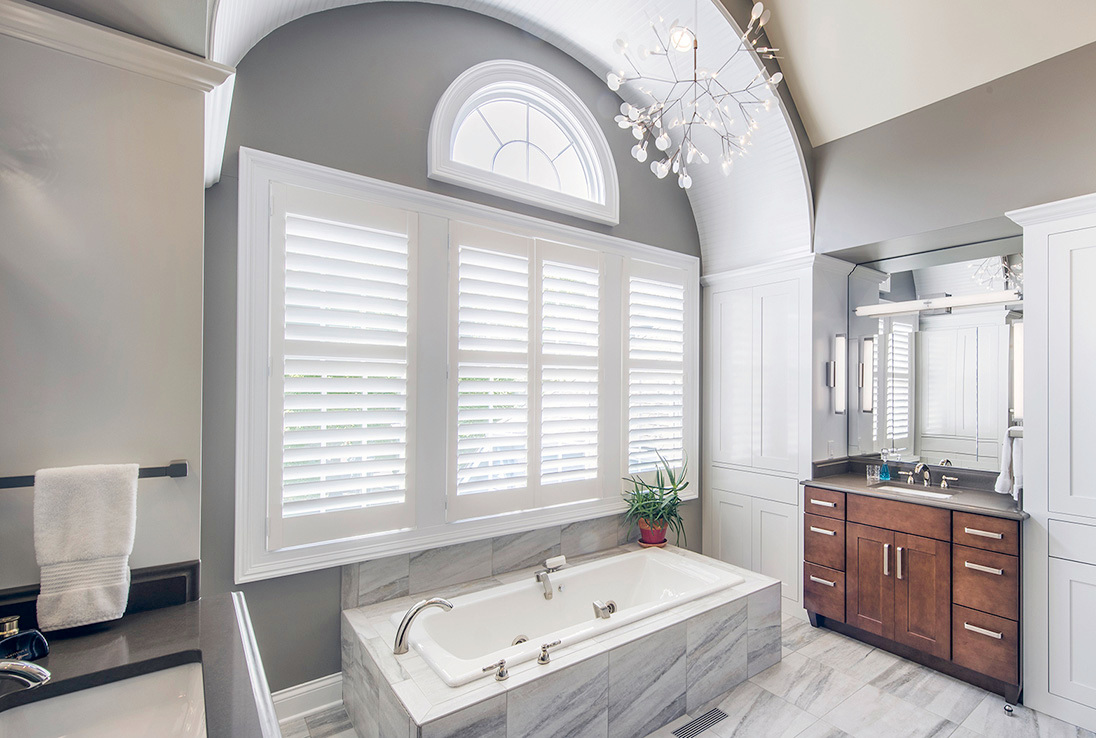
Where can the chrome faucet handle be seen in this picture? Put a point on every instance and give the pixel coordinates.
(499, 667)
(544, 657)
(945, 479)
(909, 476)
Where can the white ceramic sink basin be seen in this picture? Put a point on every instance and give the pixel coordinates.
(165, 703)
(911, 490)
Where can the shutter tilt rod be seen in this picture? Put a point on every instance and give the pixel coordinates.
(174, 469)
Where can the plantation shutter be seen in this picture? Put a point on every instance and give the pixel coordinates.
(340, 333)
(900, 385)
(655, 365)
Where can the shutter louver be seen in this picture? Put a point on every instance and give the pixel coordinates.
(345, 370)
(900, 384)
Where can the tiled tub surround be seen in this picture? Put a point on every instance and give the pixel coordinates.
(624, 682)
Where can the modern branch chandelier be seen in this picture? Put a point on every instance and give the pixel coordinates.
(684, 103)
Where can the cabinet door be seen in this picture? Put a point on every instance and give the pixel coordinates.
(922, 594)
(776, 376)
(731, 366)
(869, 579)
(776, 544)
(1072, 636)
(733, 521)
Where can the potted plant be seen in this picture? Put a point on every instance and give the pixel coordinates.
(653, 506)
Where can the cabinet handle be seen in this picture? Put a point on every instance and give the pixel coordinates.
(822, 581)
(886, 559)
(983, 533)
(899, 561)
(982, 631)
(823, 531)
(986, 569)
(823, 503)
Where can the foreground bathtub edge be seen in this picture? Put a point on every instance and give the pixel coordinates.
(704, 648)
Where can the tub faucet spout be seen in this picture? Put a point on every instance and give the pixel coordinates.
(405, 625)
(551, 566)
(542, 577)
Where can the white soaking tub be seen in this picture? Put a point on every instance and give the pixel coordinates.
(481, 627)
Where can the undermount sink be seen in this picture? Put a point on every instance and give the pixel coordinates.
(168, 702)
(911, 490)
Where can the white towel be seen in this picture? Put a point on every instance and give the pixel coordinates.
(1011, 479)
(84, 521)
(1017, 467)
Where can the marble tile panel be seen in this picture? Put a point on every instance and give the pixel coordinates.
(796, 633)
(716, 659)
(763, 629)
(443, 567)
(522, 550)
(589, 536)
(383, 579)
(328, 724)
(392, 718)
(870, 713)
(838, 652)
(647, 682)
(930, 690)
(485, 719)
(627, 534)
(359, 687)
(348, 590)
(569, 703)
(989, 719)
(294, 728)
(753, 712)
(807, 684)
(822, 729)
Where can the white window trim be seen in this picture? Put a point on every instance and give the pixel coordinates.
(440, 164)
(253, 561)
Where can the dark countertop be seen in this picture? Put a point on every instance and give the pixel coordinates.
(977, 501)
(214, 631)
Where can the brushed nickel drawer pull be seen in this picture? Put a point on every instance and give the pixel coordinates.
(823, 531)
(982, 631)
(983, 533)
(823, 581)
(823, 503)
(899, 553)
(886, 559)
(986, 569)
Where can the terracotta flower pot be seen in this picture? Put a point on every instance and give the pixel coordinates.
(651, 536)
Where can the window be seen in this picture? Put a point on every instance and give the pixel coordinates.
(510, 129)
(415, 371)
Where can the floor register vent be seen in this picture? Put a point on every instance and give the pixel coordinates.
(702, 723)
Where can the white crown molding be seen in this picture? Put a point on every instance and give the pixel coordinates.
(789, 264)
(218, 108)
(308, 698)
(70, 35)
(1052, 211)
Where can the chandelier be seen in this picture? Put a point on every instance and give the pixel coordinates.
(686, 104)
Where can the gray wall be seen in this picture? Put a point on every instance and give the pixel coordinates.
(1024, 139)
(352, 89)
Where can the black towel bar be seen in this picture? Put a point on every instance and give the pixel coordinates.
(174, 469)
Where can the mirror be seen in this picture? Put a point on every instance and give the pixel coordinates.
(935, 351)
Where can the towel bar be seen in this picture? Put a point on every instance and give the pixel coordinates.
(174, 469)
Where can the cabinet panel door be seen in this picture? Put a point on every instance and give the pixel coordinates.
(869, 579)
(1072, 637)
(776, 544)
(731, 383)
(922, 588)
(776, 376)
(733, 518)
(1071, 341)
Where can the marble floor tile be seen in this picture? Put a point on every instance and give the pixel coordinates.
(837, 652)
(647, 682)
(822, 729)
(667, 731)
(871, 713)
(938, 693)
(753, 712)
(796, 633)
(962, 732)
(294, 728)
(328, 724)
(807, 684)
(989, 719)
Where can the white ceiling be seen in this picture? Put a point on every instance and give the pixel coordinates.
(851, 64)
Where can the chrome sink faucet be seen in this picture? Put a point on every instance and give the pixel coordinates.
(922, 470)
(31, 675)
(405, 624)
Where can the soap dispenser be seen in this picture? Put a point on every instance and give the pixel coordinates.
(24, 645)
(884, 470)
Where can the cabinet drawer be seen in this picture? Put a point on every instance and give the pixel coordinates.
(986, 532)
(824, 502)
(986, 644)
(905, 517)
(986, 581)
(824, 541)
(824, 591)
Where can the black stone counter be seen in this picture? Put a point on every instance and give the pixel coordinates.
(214, 631)
(981, 502)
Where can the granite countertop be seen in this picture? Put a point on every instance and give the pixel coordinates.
(214, 631)
(981, 502)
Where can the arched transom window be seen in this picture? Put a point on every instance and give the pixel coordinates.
(513, 130)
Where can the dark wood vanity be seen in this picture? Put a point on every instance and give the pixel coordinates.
(931, 584)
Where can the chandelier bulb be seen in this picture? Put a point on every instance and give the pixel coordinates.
(758, 9)
(726, 165)
(620, 46)
(662, 142)
(613, 81)
(676, 165)
(764, 19)
(637, 132)
(776, 79)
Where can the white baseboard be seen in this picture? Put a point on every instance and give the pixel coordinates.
(305, 699)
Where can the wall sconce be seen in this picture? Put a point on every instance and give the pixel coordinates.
(837, 373)
(866, 380)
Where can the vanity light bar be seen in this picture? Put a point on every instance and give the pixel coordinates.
(1003, 297)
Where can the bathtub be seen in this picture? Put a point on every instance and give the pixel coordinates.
(482, 627)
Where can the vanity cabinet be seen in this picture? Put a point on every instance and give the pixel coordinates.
(933, 585)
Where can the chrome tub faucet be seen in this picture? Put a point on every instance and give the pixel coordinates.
(405, 625)
(551, 566)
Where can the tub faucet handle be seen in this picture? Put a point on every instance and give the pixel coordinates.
(544, 657)
(499, 667)
(602, 609)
